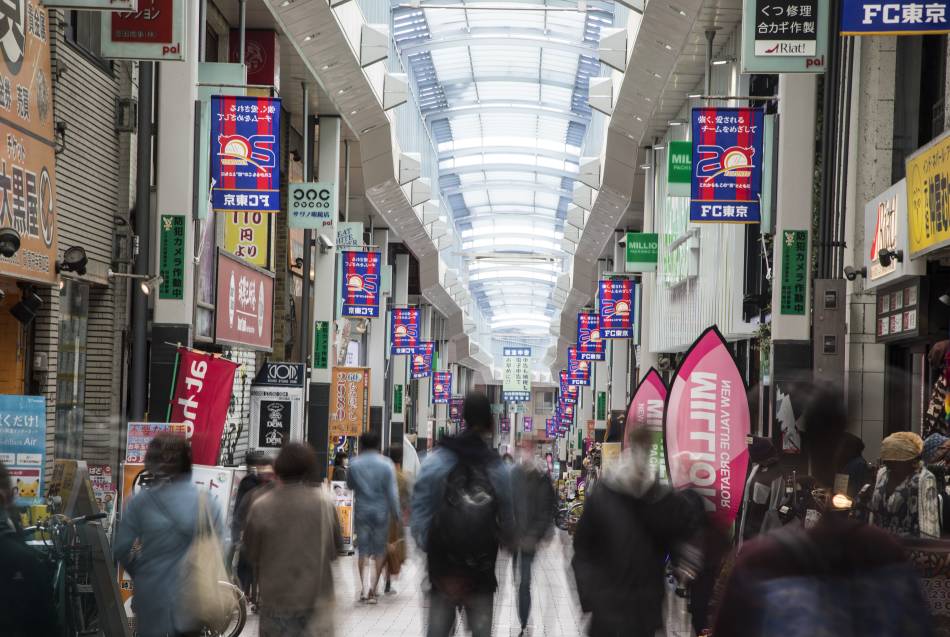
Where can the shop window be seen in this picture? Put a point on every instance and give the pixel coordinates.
(918, 96)
(71, 368)
(83, 30)
(211, 45)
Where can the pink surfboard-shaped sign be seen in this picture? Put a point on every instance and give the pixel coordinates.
(646, 410)
(707, 421)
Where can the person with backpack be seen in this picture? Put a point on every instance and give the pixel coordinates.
(461, 514)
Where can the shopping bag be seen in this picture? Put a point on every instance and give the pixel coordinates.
(204, 599)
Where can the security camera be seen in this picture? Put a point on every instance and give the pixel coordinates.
(325, 243)
(885, 256)
(851, 273)
(9, 242)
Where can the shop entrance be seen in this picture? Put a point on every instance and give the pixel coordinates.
(13, 349)
(905, 383)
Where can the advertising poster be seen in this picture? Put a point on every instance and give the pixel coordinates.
(405, 329)
(441, 387)
(155, 31)
(590, 346)
(928, 187)
(646, 410)
(567, 393)
(313, 206)
(349, 401)
(343, 500)
(247, 235)
(873, 17)
(727, 165)
(277, 405)
(103, 487)
(420, 361)
(130, 486)
(244, 304)
(516, 381)
(456, 405)
(706, 423)
(679, 171)
(578, 371)
(361, 284)
(528, 424)
(219, 484)
(139, 434)
(615, 300)
(23, 445)
(200, 401)
(245, 147)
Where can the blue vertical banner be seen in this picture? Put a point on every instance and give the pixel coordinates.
(245, 153)
(361, 284)
(550, 429)
(404, 329)
(578, 371)
(590, 345)
(23, 445)
(900, 17)
(615, 301)
(455, 409)
(420, 361)
(727, 165)
(441, 388)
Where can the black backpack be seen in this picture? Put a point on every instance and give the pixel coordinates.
(466, 524)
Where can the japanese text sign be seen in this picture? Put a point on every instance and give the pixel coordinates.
(578, 371)
(23, 445)
(590, 346)
(349, 402)
(516, 379)
(247, 235)
(420, 361)
(244, 304)
(784, 36)
(171, 263)
(898, 17)
(405, 329)
(727, 165)
(203, 388)
(646, 411)
(441, 387)
(794, 288)
(321, 344)
(245, 153)
(139, 434)
(615, 300)
(928, 190)
(361, 283)
(313, 206)
(156, 31)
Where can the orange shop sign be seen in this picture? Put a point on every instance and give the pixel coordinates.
(349, 402)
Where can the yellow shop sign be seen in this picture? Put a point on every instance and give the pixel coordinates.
(928, 197)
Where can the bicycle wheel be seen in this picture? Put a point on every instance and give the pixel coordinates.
(238, 613)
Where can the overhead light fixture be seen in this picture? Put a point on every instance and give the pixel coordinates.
(325, 67)
(660, 77)
(645, 166)
(9, 242)
(285, 3)
(722, 61)
(659, 147)
(25, 311)
(676, 122)
(308, 38)
(944, 298)
(639, 119)
(74, 260)
(354, 111)
(694, 96)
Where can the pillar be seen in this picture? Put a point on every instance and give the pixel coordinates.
(399, 365)
(324, 292)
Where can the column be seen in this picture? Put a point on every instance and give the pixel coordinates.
(423, 404)
(376, 353)
(646, 356)
(398, 365)
(324, 286)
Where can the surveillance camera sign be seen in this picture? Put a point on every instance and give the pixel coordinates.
(313, 206)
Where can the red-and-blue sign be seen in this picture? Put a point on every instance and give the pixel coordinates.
(441, 387)
(590, 345)
(550, 428)
(420, 361)
(615, 300)
(567, 393)
(245, 153)
(455, 409)
(578, 371)
(404, 334)
(727, 165)
(361, 284)
(505, 424)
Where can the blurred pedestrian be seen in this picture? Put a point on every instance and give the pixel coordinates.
(154, 534)
(396, 546)
(372, 478)
(764, 490)
(905, 500)
(534, 503)
(27, 608)
(260, 475)
(851, 463)
(340, 461)
(631, 522)
(291, 538)
(461, 514)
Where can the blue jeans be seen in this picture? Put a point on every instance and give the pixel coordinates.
(526, 558)
(478, 614)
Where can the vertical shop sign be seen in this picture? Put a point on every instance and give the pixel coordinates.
(642, 250)
(528, 424)
(928, 191)
(361, 284)
(679, 168)
(139, 434)
(420, 361)
(171, 262)
(312, 206)
(590, 346)
(397, 399)
(516, 381)
(247, 235)
(277, 396)
(405, 330)
(441, 388)
(601, 405)
(794, 271)
(727, 165)
(321, 344)
(244, 304)
(706, 423)
(27, 188)
(349, 403)
(455, 409)
(615, 300)
(646, 410)
(261, 55)
(578, 371)
(201, 399)
(784, 36)
(23, 445)
(245, 152)
(156, 31)
(874, 17)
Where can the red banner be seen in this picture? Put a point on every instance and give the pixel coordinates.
(203, 389)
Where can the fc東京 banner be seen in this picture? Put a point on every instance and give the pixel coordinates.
(578, 371)
(361, 284)
(706, 423)
(405, 329)
(420, 361)
(615, 300)
(441, 387)
(646, 411)
(590, 346)
(203, 387)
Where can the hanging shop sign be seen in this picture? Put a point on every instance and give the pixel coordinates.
(361, 284)
(550, 428)
(898, 17)
(261, 55)
(601, 405)
(277, 404)
(901, 311)
(928, 188)
(23, 445)
(139, 434)
(245, 147)
(516, 379)
(679, 168)
(349, 234)
(244, 304)
(321, 344)
(528, 423)
(784, 36)
(886, 229)
(405, 330)
(247, 235)
(615, 303)
(397, 399)
(456, 405)
(590, 346)
(441, 388)
(504, 424)
(727, 165)
(349, 402)
(642, 250)
(706, 422)
(154, 31)
(171, 257)
(795, 262)
(313, 206)
(202, 395)
(27, 184)
(646, 411)
(420, 361)
(578, 371)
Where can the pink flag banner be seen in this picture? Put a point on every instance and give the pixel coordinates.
(646, 410)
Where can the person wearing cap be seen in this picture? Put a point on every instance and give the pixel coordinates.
(905, 500)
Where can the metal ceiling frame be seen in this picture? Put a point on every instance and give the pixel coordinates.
(510, 168)
(531, 38)
(560, 155)
(508, 107)
(507, 184)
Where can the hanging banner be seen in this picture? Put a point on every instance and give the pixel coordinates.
(528, 424)
(615, 300)
(901, 17)
(313, 206)
(727, 165)
(420, 361)
(404, 334)
(203, 387)
(361, 284)
(244, 304)
(139, 434)
(578, 371)
(516, 381)
(349, 401)
(156, 31)
(23, 445)
(706, 422)
(590, 346)
(646, 411)
(550, 428)
(441, 387)
(277, 404)
(245, 147)
(567, 393)
(455, 409)
(247, 235)
(504, 424)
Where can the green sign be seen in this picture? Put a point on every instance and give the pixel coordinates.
(397, 399)
(679, 168)
(171, 264)
(794, 271)
(321, 344)
(642, 251)
(601, 405)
